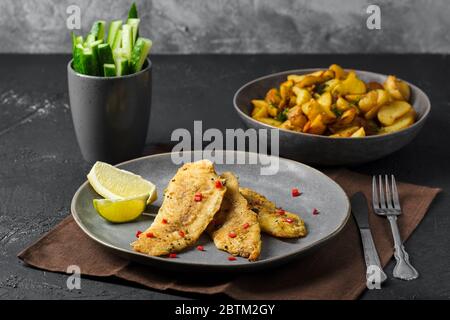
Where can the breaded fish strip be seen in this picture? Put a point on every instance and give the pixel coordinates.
(277, 223)
(235, 228)
(190, 202)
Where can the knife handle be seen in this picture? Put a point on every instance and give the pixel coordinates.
(370, 253)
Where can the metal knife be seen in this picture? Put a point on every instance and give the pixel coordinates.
(361, 215)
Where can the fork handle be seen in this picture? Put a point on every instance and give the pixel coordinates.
(403, 269)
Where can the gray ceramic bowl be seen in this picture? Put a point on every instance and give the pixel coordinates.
(323, 150)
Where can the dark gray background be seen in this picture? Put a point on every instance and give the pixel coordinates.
(41, 166)
(40, 163)
(242, 26)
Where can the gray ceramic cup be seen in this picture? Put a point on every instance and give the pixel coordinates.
(110, 115)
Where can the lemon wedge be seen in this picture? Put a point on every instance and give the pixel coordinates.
(116, 184)
(121, 210)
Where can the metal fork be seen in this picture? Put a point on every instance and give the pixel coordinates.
(386, 203)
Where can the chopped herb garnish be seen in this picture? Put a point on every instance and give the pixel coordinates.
(337, 112)
(320, 88)
(282, 116)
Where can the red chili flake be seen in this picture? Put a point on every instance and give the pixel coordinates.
(164, 221)
(172, 255)
(138, 233)
(281, 212)
(288, 220)
(232, 234)
(246, 225)
(181, 233)
(315, 212)
(200, 248)
(198, 197)
(150, 235)
(295, 192)
(218, 184)
(231, 258)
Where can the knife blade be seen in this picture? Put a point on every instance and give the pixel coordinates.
(361, 214)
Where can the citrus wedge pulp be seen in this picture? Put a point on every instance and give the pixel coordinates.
(116, 184)
(121, 210)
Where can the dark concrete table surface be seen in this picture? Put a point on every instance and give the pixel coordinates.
(41, 166)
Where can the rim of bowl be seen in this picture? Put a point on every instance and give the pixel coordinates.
(69, 67)
(308, 70)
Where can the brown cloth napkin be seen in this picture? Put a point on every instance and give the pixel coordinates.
(334, 271)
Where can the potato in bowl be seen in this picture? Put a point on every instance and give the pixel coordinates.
(320, 149)
(336, 103)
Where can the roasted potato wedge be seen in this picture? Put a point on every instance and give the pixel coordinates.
(389, 113)
(339, 73)
(373, 85)
(315, 126)
(351, 85)
(325, 100)
(345, 133)
(302, 95)
(260, 109)
(401, 123)
(273, 97)
(342, 104)
(359, 133)
(296, 117)
(398, 89)
(296, 78)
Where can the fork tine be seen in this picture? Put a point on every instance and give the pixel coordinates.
(395, 198)
(382, 200)
(388, 192)
(375, 202)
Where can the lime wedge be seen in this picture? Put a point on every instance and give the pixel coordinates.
(122, 210)
(116, 184)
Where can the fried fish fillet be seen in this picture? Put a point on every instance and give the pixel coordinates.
(190, 202)
(277, 223)
(235, 228)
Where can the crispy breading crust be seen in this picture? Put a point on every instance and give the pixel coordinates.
(270, 221)
(236, 218)
(181, 220)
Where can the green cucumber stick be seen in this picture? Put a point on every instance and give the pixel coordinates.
(117, 41)
(89, 39)
(94, 46)
(90, 63)
(140, 51)
(77, 63)
(127, 40)
(109, 70)
(122, 67)
(76, 40)
(105, 55)
(134, 23)
(98, 30)
(132, 13)
(114, 27)
(79, 40)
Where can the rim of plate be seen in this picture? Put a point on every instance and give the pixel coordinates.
(212, 266)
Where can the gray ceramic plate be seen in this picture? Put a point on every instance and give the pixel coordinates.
(319, 192)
